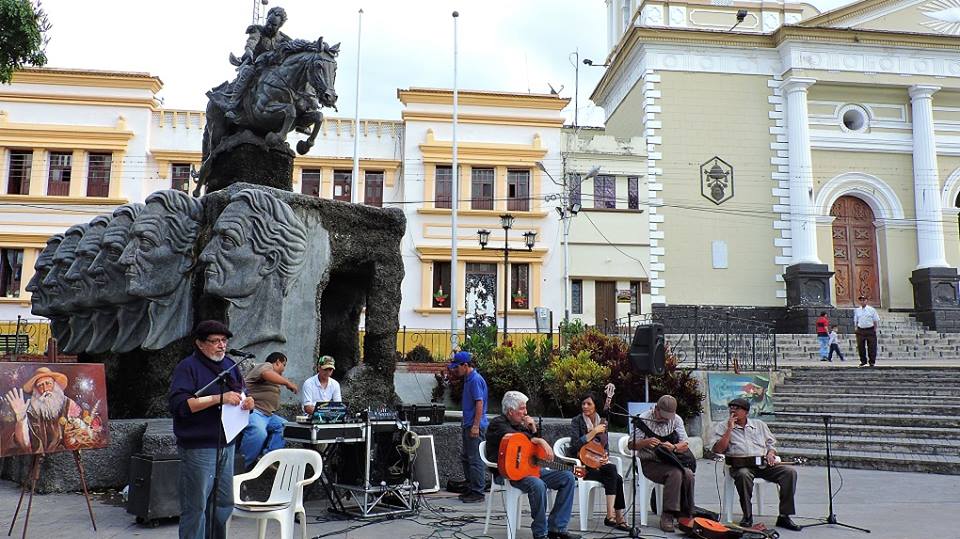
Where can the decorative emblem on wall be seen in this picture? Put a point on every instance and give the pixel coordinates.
(716, 180)
(945, 15)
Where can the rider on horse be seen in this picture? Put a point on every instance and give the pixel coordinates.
(263, 40)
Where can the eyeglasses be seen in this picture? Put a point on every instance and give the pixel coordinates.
(216, 341)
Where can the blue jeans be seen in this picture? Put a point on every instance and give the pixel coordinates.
(824, 345)
(536, 489)
(196, 486)
(474, 470)
(262, 435)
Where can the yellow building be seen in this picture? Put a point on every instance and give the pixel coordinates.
(801, 159)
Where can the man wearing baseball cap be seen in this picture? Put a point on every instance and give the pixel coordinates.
(474, 404)
(320, 387)
(749, 447)
(866, 320)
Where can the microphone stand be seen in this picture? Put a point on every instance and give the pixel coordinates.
(220, 380)
(634, 469)
(831, 516)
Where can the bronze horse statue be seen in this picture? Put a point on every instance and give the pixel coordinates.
(296, 81)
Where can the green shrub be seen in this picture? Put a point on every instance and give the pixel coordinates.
(480, 342)
(569, 377)
(571, 329)
(419, 354)
(518, 368)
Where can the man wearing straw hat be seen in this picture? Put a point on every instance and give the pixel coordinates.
(41, 422)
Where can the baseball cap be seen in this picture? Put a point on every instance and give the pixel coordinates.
(667, 406)
(326, 362)
(460, 358)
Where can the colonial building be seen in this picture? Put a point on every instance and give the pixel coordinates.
(799, 159)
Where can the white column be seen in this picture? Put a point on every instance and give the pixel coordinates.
(926, 183)
(803, 219)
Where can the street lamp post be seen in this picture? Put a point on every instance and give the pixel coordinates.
(529, 238)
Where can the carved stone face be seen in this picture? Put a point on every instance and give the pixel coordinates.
(233, 269)
(106, 269)
(153, 267)
(78, 275)
(55, 284)
(39, 299)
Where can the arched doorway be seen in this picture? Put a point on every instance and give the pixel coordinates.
(854, 252)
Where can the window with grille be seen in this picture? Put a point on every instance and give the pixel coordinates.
(636, 289)
(440, 294)
(633, 193)
(180, 177)
(310, 181)
(481, 194)
(576, 296)
(58, 177)
(518, 190)
(98, 174)
(575, 194)
(373, 188)
(341, 185)
(18, 172)
(443, 194)
(605, 192)
(519, 286)
(11, 270)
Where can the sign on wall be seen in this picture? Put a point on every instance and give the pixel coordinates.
(51, 407)
(716, 180)
(724, 387)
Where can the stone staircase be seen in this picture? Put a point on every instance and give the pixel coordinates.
(883, 418)
(899, 336)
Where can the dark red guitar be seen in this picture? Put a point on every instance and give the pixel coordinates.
(518, 457)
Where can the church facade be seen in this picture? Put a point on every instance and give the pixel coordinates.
(796, 160)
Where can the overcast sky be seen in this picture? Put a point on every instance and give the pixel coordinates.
(504, 45)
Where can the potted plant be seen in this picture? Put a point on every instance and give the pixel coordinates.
(519, 300)
(439, 297)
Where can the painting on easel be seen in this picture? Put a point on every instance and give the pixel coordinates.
(51, 407)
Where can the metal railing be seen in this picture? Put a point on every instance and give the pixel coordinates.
(707, 340)
(25, 335)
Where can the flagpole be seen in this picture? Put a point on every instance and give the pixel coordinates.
(354, 178)
(455, 201)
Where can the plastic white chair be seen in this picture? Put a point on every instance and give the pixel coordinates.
(586, 489)
(286, 492)
(731, 499)
(643, 484)
(512, 497)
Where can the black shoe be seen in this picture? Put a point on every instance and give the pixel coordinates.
(471, 497)
(783, 521)
(746, 522)
(562, 535)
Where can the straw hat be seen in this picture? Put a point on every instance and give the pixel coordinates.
(44, 372)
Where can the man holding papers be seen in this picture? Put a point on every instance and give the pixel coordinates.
(198, 427)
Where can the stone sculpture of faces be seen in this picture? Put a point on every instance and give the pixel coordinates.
(39, 299)
(106, 269)
(78, 275)
(256, 236)
(63, 296)
(160, 251)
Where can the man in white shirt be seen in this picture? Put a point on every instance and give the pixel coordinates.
(322, 387)
(866, 320)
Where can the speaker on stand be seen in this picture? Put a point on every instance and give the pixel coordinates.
(647, 353)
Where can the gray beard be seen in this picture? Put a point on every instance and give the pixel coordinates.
(217, 358)
(48, 405)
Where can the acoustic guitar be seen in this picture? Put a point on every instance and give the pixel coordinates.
(518, 458)
(594, 454)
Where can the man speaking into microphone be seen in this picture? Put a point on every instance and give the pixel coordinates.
(199, 431)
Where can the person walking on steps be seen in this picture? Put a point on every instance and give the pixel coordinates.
(823, 335)
(866, 320)
(834, 344)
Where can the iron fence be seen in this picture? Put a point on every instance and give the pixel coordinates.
(706, 340)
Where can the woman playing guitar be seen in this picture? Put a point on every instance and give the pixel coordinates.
(588, 442)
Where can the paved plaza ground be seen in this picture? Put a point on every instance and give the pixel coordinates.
(893, 505)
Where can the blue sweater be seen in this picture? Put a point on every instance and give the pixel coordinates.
(200, 429)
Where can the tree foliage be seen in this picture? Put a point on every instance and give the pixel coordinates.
(23, 28)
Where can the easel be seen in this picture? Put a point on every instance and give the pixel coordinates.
(35, 465)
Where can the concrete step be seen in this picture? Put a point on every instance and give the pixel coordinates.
(785, 401)
(870, 420)
(854, 390)
(875, 460)
(881, 408)
(869, 443)
(781, 428)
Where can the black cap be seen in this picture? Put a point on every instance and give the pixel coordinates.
(740, 403)
(207, 328)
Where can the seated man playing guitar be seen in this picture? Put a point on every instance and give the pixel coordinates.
(749, 449)
(515, 421)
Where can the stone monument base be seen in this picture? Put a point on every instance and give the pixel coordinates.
(251, 161)
(808, 285)
(935, 298)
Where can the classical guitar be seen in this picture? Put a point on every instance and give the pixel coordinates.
(518, 457)
(761, 462)
(593, 454)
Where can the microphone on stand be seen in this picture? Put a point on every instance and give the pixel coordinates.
(241, 353)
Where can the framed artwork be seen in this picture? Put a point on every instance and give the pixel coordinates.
(51, 407)
(724, 387)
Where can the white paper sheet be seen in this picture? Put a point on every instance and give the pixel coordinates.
(234, 419)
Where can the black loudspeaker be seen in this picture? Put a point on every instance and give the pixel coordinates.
(153, 488)
(647, 350)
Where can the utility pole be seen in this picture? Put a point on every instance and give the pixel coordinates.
(454, 200)
(355, 177)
